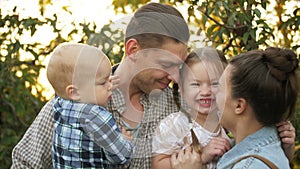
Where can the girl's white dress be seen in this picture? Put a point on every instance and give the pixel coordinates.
(173, 134)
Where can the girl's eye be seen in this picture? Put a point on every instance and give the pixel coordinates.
(215, 84)
(195, 84)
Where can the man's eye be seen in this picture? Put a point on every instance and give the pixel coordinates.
(166, 65)
(102, 83)
(171, 65)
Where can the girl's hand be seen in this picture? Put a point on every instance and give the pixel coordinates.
(115, 81)
(215, 149)
(186, 159)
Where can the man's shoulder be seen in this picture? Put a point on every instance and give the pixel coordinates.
(34, 149)
(48, 106)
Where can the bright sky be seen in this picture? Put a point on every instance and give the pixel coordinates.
(82, 9)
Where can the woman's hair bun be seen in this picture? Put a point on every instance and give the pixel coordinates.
(281, 62)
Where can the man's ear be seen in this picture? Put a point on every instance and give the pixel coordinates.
(72, 92)
(240, 106)
(131, 48)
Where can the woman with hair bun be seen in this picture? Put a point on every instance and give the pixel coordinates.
(257, 90)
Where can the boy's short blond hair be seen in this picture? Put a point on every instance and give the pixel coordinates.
(68, 58)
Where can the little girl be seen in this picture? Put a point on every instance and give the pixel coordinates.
(198, 83)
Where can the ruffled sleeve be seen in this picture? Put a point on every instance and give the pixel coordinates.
(170, 134)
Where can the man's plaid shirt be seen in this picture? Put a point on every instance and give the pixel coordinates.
(156, 108)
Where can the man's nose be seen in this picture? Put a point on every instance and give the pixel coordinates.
(174, 74)
(109, 86)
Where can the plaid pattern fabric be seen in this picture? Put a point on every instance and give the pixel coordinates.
(155, 109)
(87, 136)
(34, 149)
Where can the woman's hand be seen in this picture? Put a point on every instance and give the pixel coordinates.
(287, 134)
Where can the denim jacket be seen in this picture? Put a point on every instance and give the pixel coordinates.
(265, 142)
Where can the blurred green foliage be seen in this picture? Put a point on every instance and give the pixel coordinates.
(233, 26)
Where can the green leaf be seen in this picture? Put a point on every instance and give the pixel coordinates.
(245, 37)
(264, 4)
(16, 46)
(257, 13)
(226, 6)
(253, 33)
(232, 19)
(210, 29)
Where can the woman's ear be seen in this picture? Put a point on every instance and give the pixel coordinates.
(131, 48)
(241, 105)
(72, 93)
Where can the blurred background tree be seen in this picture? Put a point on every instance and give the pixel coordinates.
(233, 26)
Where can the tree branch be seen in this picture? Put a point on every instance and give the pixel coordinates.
(13, 111)
(218, 23)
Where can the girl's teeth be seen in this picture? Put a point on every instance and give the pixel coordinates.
(204, 101)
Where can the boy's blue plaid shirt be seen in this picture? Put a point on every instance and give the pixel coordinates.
(86, 136)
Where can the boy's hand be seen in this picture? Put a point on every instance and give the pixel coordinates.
(126, 134)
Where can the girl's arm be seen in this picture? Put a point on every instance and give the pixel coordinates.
(161, 161)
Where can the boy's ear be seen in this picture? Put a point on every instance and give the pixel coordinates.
(72, 92)
(131, 48)
(240, 106)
